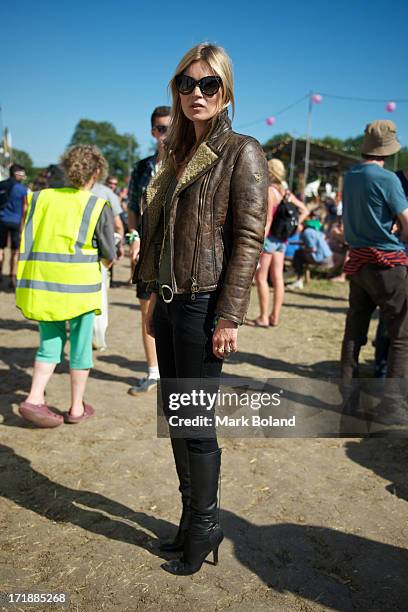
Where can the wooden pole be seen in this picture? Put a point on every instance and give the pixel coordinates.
(308, 136)
(292, 163)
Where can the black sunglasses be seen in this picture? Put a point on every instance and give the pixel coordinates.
(208, 85)
(162, 129)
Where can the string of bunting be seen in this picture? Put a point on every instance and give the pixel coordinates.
(317, 98)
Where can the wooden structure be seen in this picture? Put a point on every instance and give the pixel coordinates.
(325, 163)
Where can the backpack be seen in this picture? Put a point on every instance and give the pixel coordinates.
(285, 220)
(5, 188)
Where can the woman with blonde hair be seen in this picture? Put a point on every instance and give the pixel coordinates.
(67, 232)
(202, 234)
(273, 253)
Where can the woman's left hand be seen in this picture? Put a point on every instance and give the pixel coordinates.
(225, 339)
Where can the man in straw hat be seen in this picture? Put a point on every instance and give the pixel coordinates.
(373, 201)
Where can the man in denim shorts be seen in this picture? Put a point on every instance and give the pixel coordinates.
(11, 219)
(142, 173)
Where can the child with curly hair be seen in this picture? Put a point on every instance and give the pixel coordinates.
(68, 232)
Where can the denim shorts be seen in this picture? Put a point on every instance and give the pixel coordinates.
(142, 292)
(273, 245)
(9, 229)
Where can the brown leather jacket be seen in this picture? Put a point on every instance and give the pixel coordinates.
(216, 223)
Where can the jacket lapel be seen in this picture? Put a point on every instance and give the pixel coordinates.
(203, 160)
(156, 192)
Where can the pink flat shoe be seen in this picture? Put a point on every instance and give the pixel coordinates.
(255, 323)
(88, 412)
(40, 415)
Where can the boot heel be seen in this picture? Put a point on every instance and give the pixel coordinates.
(204, 534)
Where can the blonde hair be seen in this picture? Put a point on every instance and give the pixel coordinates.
(181, 136)
(81, 162)
(277, 173)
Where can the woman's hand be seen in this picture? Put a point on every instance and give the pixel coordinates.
(120, 252)
(134, 249)
(303, 211)
(225, 339)
(149, 315)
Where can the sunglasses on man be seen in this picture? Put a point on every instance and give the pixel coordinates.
(208, 85)
(162, 129)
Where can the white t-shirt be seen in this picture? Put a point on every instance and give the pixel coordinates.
(105, 192)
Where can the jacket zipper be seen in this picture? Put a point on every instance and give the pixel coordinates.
(203, 193)
(173, 276)
(171, 237)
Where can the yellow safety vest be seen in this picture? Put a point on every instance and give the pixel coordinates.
(58, 275)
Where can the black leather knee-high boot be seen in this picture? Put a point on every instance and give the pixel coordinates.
(204, 532)
(181, 459)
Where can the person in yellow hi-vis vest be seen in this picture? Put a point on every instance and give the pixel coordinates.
(67, 235)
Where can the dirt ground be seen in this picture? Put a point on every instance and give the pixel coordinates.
(310, 524)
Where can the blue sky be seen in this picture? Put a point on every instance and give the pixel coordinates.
(111, 61)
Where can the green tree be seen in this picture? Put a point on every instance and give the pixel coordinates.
(277, 138)
(119, 149)
(402, 160)
(331, 142)
(352, 146)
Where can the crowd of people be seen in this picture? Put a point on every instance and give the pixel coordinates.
(204, 217)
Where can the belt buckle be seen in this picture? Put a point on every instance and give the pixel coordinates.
(166, 300)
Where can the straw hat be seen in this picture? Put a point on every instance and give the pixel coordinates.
(277, 170)
(380, 138)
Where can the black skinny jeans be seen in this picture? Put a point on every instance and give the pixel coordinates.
(300, 258)
(183, 333)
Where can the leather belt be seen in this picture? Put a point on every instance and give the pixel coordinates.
(167, 295)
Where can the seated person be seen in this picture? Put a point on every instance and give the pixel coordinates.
(331, 212)
(292, 246)
(339, 248)
(314, 250)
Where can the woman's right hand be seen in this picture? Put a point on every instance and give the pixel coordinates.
(134, 250)
(149, 316)
(303, 210)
